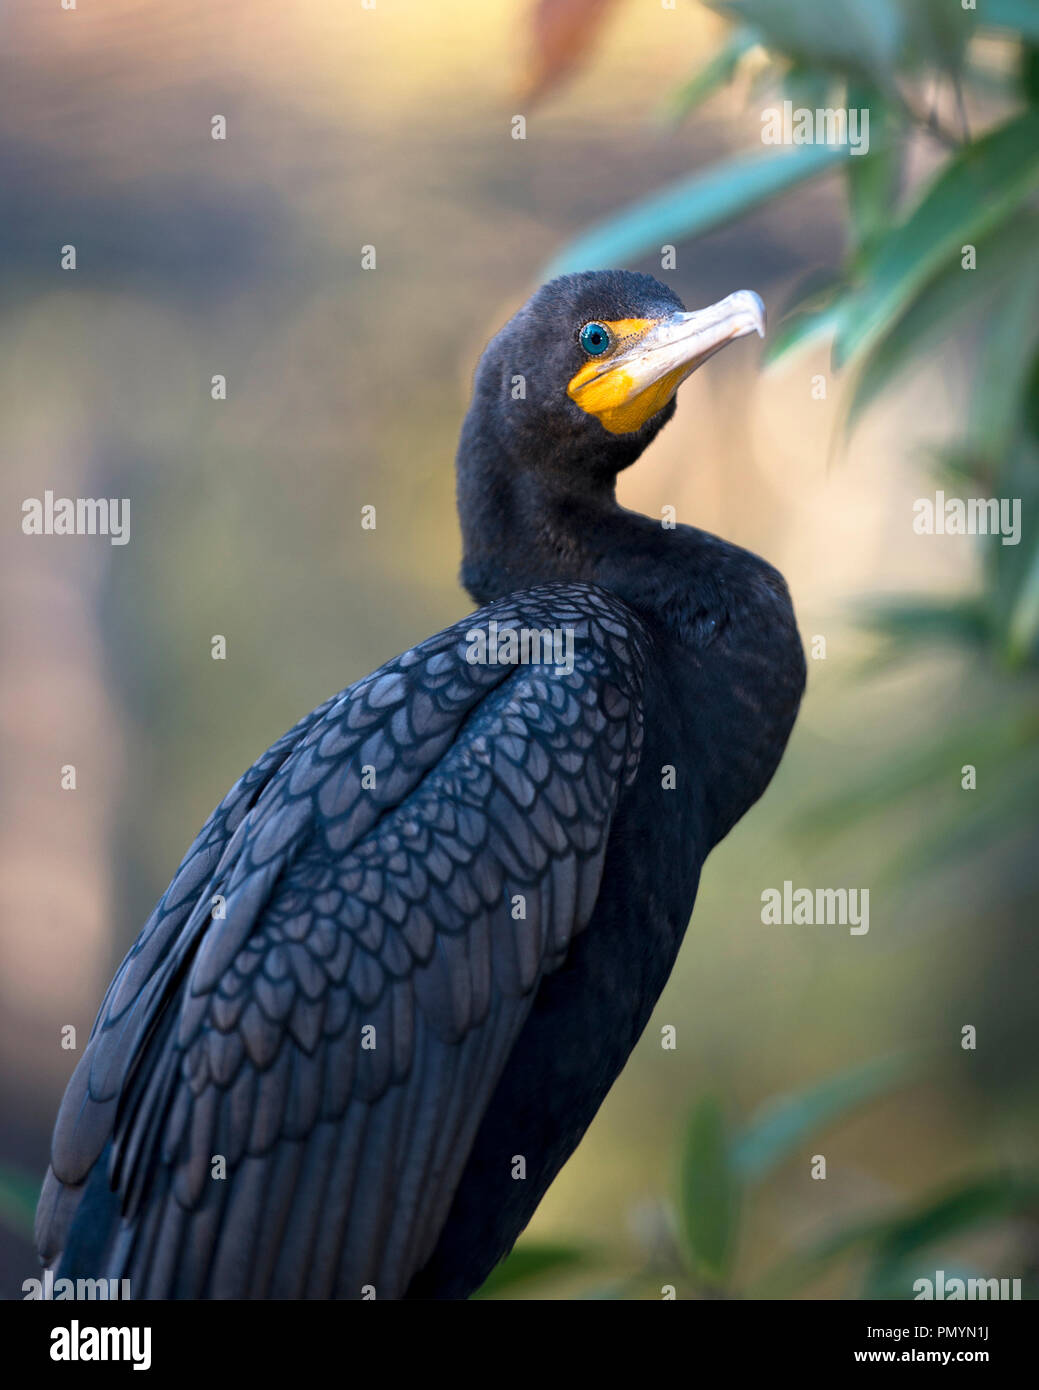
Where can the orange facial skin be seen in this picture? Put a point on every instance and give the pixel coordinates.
(611, 392)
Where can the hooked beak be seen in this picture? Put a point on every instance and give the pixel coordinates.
(653, 357)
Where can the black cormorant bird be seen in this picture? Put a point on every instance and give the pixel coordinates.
(418, 939)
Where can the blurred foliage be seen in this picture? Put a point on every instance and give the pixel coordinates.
(19, 1193)
(944, 260)
(696, 1246)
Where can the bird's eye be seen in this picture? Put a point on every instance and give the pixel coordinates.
(595, 338)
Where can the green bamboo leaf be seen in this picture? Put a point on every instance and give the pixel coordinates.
(708, 1194)
(715, 73)
(784, 1123)
(975, 192)
(529, 1262)
(692, 206)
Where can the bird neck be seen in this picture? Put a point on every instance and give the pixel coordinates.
(522, 528)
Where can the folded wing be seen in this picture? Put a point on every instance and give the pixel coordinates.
(287, 1073)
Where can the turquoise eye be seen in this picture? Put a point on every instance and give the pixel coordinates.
(595, 338)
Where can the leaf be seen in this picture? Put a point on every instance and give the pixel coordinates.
(896, 1237)
(784, 1123)
(714, 74)
(1005, 361)
(939, 309)
(19, 1194)
(912, 622)
(958, 839)
(809, 1264)
(872, 178)
(802, 328)
(805, 86)
(1023, 623)
(976, 190)
(937, 32)
(809, 315)
(562, 33)
(708, 1194)
(529, 1262)
(692, 206)
(861, 36)
(1020, 16)
(993, 742)
(961, 1208)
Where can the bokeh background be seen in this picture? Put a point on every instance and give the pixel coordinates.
(392, 127)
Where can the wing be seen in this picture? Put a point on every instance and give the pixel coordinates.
(288, 1071)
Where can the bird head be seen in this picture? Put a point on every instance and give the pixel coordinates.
(566, 395)
(587, 371)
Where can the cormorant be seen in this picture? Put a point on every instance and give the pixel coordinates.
(418, 939)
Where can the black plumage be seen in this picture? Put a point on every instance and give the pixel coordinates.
(484, 863)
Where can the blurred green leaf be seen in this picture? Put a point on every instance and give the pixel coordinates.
(976, 190)
(872, 178)
(893, 1239)
(714, 74)
(860, 36)
(19, 1193)
(962, 1208)
(988, 742)
(803, 328)
(693, 206)
(919, 622)
(807, 86)
(812, 1262)
(1020, 16)
(968, 833)
(941, 307)
(530, 1261)
(938, 32)
(1005, 361)
(1023, 621)
(708, 1194)
(784, 1123)
(1029, 73)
